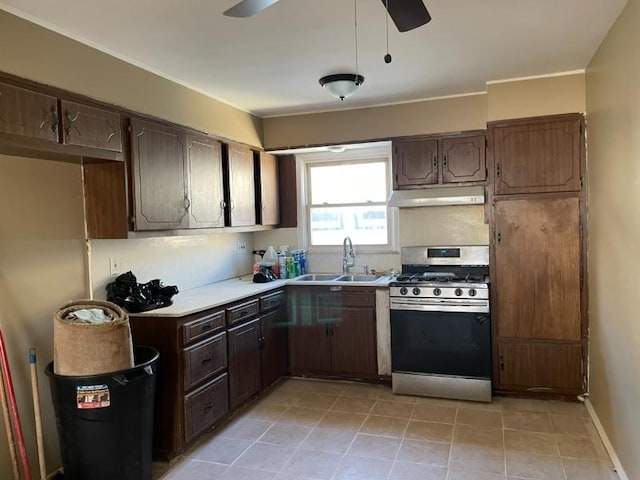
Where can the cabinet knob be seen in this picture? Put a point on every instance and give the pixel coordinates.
(70, 122)
(444, 161)
(497, 169)
(435, 163)
(187, 203)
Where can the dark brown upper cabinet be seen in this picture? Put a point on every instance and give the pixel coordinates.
(267, 187)
(178, 180)
(34, 121)
(90, 127)
(537, 155)
(158, 160)
(241, 191)
(204, 156)
(415, 163)
(463, 159)
(439, 159)
(28, 114)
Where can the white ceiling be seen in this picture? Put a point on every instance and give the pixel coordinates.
(270, 64)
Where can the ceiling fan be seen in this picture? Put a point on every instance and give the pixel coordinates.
(406, 14)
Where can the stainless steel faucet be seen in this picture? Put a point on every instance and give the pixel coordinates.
(348, 258)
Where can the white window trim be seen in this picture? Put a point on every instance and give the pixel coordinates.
(378, 150)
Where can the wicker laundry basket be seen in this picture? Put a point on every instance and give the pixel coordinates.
(91, 349)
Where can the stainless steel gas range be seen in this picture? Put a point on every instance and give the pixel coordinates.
(440, 323)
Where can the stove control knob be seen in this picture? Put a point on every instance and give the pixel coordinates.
(416, 291)
(458, 292)
(437, 291)
(472, 292)
(403, 290)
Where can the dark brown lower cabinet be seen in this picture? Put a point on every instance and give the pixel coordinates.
(332, 332)
(309, 349)
(245, 379)
(204, 406)
(273, 342)
(351, 341)
(541, 367)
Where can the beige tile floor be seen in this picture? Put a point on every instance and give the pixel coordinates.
(310, 429)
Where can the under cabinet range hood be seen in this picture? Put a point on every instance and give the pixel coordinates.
(433, 197)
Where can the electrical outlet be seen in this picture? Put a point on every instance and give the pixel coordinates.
(241, 247)
(114, 265)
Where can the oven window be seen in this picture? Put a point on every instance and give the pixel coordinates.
(441, 343)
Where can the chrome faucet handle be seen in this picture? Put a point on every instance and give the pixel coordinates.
(365, 269)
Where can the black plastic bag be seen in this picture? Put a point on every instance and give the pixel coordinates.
(139, 297)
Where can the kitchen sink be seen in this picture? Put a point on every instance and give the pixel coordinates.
(357, 278)
(317, 277)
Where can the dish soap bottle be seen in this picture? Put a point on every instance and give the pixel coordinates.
(270, 259)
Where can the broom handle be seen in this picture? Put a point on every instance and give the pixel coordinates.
(33, 362)
(7, 424)
(15, 415)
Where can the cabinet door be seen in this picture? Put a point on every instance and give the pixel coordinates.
(90, 127)
(537, 271)
(415, 163)
(287, 191)
(273, 326)
(244, 362)
(160, 176)
(353, 342)
(463, 159)
(541, 367)
(28, 114)
(309, 350)
(269, 188)
(241, 186)
(204, 157)
(537, 156)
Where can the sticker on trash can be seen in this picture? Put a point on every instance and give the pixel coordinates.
(92, 396)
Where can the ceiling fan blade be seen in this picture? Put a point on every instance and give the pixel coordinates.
(246, 8)
(407, 14)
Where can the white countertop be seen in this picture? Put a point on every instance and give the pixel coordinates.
(228, 291)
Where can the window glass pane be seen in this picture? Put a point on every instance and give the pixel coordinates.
(348, 183)
(366, 225)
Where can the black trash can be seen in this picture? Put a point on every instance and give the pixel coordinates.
(105, 422)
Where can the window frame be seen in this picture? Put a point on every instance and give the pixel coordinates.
(380, 151)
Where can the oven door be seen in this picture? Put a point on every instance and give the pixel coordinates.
(441, 343)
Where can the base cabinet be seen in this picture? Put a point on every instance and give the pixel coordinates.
(211, 363)
(244, 362)
(541, 367)
(332, 332)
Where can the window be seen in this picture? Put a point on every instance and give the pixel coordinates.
(346, 195)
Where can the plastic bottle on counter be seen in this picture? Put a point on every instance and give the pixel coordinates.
(282, 264)
(270, 256)
(303, 262)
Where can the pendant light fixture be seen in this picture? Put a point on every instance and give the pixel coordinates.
(343, 85)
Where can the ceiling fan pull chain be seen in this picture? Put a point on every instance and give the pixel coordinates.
(387, 57)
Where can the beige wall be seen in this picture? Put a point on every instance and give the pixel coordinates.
(41, 266)
(613, 128)
(535, 97)
(38, 54)
(431, 116)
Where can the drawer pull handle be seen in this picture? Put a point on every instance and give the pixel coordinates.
(206, 326)
(209, 406)
(206, 360)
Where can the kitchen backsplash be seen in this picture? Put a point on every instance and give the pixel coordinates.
(185, 261)
(446, 225)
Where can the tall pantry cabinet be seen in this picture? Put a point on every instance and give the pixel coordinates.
(538, 254)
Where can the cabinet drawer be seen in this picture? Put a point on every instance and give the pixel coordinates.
(205, 360)
(359, 298)
(272, 302)
(244, 311)
(204, 406)
(202, 327)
